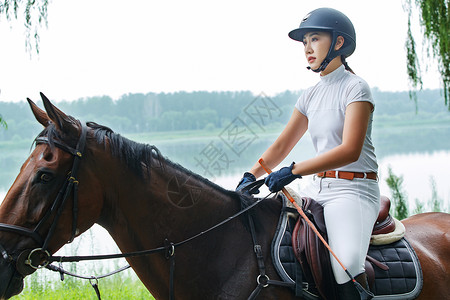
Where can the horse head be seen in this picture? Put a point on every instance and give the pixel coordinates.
(43, 209)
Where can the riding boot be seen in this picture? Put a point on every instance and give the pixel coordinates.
(363, 281)
(348, 291)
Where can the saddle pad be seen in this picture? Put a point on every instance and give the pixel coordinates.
(282, 253)
(391, 237)
(284, 260)
(403, 280)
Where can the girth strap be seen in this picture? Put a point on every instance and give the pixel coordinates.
(263, 280)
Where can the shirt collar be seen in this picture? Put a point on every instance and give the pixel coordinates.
(333, 76)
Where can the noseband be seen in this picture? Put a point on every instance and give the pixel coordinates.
(31, 258)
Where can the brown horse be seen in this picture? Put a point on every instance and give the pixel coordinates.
(79, 175)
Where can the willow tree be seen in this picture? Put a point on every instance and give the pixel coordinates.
(34, 13)
(435, 25)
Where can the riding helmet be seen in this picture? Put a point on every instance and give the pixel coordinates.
(334, 22)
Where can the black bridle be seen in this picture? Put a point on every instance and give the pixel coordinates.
(31, 258)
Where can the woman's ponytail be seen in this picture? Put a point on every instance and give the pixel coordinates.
(344, 62)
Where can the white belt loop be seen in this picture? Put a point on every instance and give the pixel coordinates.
(365, 175)
(337, 174)
(320, 184)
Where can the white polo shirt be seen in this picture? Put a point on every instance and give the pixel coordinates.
(324, 105)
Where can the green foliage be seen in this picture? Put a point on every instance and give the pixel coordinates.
(152, 112)
(34, 13)
(399, 199)
(413, 68)
(435, 23)
(435, 202)
(420, 207)
(120, 286)
(136, 113)
(3, 122)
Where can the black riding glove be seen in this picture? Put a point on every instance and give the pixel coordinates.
(247, 179)
(278, 179)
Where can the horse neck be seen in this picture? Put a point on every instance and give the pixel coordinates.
(176, 205)
(173, 204)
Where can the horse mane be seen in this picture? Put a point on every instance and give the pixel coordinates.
(139, 157)
(134, 155)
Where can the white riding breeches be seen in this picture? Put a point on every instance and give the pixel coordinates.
(350, 211)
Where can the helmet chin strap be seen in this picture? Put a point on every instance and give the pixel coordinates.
(330, 56)
(322, 66)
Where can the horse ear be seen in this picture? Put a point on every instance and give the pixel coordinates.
(38, 113)
(60, 119)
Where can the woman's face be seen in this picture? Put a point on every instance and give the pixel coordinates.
(317, 44)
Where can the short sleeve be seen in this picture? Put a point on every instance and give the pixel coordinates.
(302, 102)
(359, 91)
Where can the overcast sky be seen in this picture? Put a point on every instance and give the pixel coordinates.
(109, 47)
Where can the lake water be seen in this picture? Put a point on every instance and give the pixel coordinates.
(417, 169)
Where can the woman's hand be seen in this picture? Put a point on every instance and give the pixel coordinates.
(278, 179)
(246, 180)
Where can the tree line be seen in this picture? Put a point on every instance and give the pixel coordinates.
(201, 110)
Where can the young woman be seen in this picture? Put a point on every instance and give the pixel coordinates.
(337, 112)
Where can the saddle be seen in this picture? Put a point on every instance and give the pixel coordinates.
(312, 253)
(392, 266)
(384, 223)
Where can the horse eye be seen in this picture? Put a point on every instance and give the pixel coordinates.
(45, 177)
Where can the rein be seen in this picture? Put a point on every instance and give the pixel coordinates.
(170, 247)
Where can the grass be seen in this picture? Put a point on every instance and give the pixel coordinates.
(120, 286)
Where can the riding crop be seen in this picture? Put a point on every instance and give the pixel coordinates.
(364, 294)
